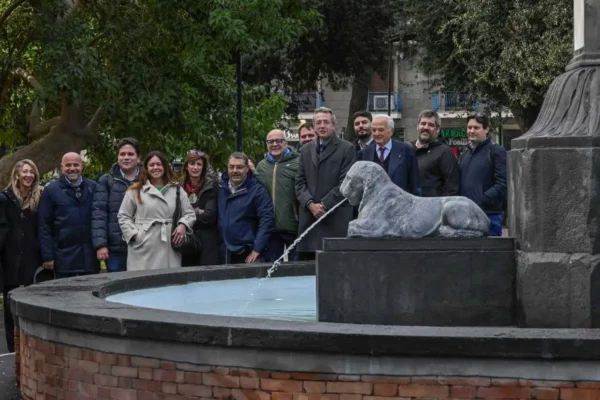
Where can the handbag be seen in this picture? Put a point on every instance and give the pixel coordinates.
(191, 244)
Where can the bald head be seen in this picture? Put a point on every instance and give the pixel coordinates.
(72, 166)
(276, 143)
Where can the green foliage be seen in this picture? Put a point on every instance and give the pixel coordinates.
(162, 70)
(508, 51)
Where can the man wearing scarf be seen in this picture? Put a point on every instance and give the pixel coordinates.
(277, 173)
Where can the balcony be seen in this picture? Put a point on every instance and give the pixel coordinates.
(304, 104)
(378, 103)
(454, 105)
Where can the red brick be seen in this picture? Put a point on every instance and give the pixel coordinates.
(280, 375)
(106, 380)
(350, 387)
(276, 385)
(301, 376)
(504, 392)
(167, 365)
(463, 392)
(148, 386)
(348, 378)
(105, 358)
(105, 369)
(87, 355)
(227, 381)
(169, 387)
(249, 383)
(193, 367)
(281, 396)
(124, 383)
(386, 379)
(550, 384)
(545, 393)
(86, 389)
(505, 382)
(424, 380)
(124, 361)
(88, 366)
(244, 394)
(167, 375)
(221, 393)
(193, 377)
(129, 372)
(75, 374)
(427, 391)
(464, 381)
(56, 360)
(151, 395)
(123, 394)
(88, 377)
(145, 373)
(314, 387)
(351, 396)
(194, 390)
(579, 394)
(385, 389)
(384, 398)
(104, 392)
(316, 396)
(586, 385)
(144, 362)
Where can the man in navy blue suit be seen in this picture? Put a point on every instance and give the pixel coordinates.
(397, 158)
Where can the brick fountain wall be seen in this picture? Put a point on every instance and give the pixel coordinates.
(51, 371)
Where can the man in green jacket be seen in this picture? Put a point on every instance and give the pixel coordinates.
(277, 172)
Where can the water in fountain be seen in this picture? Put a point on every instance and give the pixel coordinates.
(277, 262)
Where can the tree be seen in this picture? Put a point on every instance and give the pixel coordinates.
(505, 51)
(350, 43)
(75, 74)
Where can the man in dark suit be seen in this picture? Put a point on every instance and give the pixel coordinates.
(322, 168)
(397, 158)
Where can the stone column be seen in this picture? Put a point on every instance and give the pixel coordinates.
(554, 189)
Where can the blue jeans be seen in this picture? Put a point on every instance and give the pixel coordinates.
(117, 262)
(277, 242)
(495, 224)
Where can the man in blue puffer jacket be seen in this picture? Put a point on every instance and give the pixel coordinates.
(106, 232)
(246, 215)
(483, 171)
(65, 215)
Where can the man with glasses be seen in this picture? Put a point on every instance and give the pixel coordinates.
(106, 232)
(483, 171)
(246, 218)
(322, 168)
(277, 172)
(65, 216)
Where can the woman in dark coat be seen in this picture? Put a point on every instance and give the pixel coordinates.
(202, 190)
(21, 254)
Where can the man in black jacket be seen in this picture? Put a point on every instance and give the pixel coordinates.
(437, 164)
(106, 233)
(362, 129)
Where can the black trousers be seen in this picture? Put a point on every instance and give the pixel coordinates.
(9, 323)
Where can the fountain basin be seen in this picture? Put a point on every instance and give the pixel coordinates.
(75, 344)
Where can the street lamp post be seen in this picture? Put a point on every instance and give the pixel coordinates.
(239, 118)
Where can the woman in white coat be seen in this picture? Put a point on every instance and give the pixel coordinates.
(146, 217)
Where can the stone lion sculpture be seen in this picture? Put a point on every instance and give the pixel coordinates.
(388, 211)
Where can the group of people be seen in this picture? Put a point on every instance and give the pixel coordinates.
(134, 216)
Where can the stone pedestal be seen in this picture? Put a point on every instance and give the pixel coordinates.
(554, 192)
(431, 281)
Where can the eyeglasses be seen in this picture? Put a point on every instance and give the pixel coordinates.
(197, 152)
(274, 141)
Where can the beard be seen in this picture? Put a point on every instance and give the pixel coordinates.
(430, 138)
(362, 134)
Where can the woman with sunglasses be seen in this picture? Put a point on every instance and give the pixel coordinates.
(202, 190)
(21, 255)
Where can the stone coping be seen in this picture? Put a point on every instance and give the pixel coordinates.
(77, 304)
(423, 244)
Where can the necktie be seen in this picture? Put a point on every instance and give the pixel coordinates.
(382, 154)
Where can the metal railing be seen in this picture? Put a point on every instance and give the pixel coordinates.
(378, 101)
(452, 101)
(306, 102)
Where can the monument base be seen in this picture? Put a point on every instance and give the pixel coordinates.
(554, 290)
(429, 281)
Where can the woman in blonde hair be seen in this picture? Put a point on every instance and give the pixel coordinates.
(146, 217)
(21, 254)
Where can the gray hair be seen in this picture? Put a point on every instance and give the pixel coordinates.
(326, 111)
(430, 114)
(390, 120)
(238, 155)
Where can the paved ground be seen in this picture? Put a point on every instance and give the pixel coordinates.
(8, 387)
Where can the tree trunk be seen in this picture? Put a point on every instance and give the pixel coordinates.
(72, 134)
(358, 101)
(526, 116)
